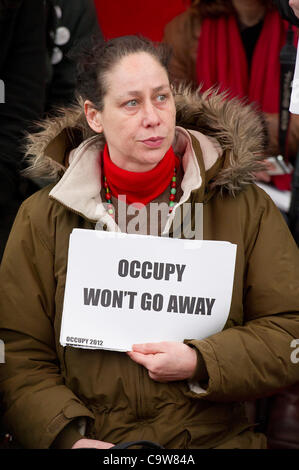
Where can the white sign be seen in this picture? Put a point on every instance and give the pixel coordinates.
(129, 289)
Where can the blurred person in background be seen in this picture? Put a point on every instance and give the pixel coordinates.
(23, 72)
(235, 45)
(36, 37)
(68, 24)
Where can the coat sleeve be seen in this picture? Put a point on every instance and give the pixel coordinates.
(37, 403)
(255, 359)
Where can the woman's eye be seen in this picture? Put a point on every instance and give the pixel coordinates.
(161, 98)
(131, 103)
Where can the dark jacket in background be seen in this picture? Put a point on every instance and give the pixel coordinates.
(69, 22)
(23, 71)
(35, 38)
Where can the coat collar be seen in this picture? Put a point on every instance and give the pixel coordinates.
(80, 186)
(237, 128)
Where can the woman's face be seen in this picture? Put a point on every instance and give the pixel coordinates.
(138, 117)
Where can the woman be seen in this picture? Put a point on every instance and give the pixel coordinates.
(235, 44)
(127, 132)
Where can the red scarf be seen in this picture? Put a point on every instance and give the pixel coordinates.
(222, 61)
(140, 187)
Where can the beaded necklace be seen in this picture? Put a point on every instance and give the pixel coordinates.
(111, 210)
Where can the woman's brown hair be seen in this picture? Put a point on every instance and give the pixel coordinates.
(95, 57)
(215, 8)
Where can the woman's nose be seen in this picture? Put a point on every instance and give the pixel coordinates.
(150, 115)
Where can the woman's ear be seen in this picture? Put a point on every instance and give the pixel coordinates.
(93, 117)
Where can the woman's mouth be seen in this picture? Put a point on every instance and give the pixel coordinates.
(153, 142)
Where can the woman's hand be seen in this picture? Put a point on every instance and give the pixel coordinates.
(92, 444)
(167, 361)
(264, 175)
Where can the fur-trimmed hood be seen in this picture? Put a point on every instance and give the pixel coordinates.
(237, 127)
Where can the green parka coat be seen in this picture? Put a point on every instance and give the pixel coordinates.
(45, 386)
